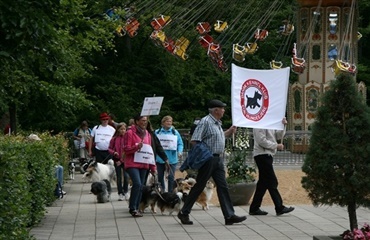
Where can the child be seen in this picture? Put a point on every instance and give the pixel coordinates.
(116, 150)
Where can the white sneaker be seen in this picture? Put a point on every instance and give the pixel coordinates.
(120, 197)
(64, 193)
(127, 196)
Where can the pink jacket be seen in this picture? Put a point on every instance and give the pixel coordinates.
(131, 139)
(116, 145)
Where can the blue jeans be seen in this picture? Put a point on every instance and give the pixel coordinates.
(122, 187)
(59, 174)
(137, 176)
(161, 168)
(212, 168)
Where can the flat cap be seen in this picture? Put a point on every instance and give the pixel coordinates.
(216, 103)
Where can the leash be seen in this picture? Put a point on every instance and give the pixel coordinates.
(105, 161)
(168, 167)
(156, 184)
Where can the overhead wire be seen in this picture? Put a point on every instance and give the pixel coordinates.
(232, 30)
(285, 45)
(345, 46)
(302, 48)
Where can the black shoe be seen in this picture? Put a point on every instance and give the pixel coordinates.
(234, 219)
(285, 210)
(184, 219)
(258, 212)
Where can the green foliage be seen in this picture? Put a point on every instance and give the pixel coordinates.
(237, 168)
(44, 47)
(65, 57)
(27, 181)
(337, 164)
(15, 197)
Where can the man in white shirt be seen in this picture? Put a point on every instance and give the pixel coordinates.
(100, 138)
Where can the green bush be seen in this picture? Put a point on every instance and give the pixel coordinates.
(27, 181)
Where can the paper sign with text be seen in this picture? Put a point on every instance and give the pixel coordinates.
(145, 155)
(152, 106)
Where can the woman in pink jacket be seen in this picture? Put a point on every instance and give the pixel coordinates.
(138, 160)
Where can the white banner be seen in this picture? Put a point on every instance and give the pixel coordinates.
(145, 155)
(259, 97)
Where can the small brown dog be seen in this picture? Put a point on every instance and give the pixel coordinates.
(206, 195)
(184, 185)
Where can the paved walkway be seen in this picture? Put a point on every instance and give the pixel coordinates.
(78, 217)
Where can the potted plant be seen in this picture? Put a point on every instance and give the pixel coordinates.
(241, 177)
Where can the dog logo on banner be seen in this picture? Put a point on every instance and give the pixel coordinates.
(254, 99)
(259, 97)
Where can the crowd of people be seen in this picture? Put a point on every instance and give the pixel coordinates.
(138, 150)
(122, 142)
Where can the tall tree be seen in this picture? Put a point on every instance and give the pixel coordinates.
(337, 164)
(43, 48)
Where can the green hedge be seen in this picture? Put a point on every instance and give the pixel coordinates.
(27, 181)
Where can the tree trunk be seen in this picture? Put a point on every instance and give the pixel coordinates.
(13, 118)
(351, 208)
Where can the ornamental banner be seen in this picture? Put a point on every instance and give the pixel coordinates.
(259, 97)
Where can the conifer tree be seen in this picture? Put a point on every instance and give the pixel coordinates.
(337, 164)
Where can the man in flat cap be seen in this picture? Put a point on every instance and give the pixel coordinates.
(210, 132)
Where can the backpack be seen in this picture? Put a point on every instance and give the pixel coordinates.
(172, 130)
(58, 191)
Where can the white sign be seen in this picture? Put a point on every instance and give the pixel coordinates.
(145, 155)
(152, 106)
(259, 97)
(168, 141)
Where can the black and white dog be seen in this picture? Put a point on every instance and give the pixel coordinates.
(172, 202)
(149, 197)
(97, 171)
(102, 190)
(71, 170)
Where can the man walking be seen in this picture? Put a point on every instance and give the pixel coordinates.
(210, 132)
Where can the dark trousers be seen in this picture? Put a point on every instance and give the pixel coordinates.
(102, 156)
(212, 168)
(161, 169)
(122, 186)
(267, 180)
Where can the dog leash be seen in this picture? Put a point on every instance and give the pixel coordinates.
(105, 161)
(156, 183)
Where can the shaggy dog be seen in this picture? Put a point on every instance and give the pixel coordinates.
(102, 190)
(206, 195)
(149, 197)
(97, 171)
(170, 202)
(71, 170)
(150, 193)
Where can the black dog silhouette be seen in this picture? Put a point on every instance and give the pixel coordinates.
(252, 102)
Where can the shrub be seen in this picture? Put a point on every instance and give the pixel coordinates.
(27, 181)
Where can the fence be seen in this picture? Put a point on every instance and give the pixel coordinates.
(295, 142)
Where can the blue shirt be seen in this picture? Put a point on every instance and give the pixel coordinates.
(171, 154)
